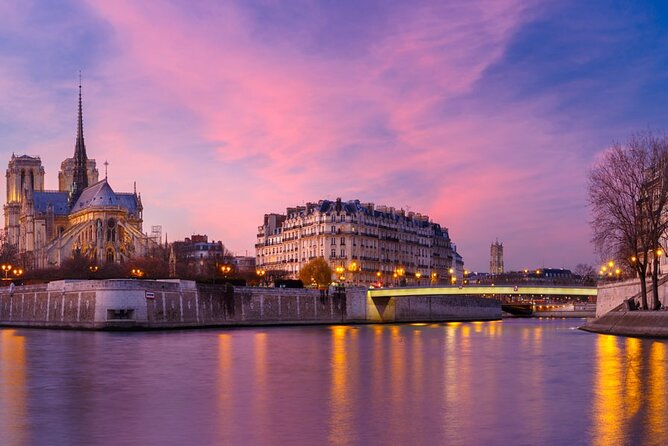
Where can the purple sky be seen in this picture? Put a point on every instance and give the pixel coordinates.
(485, 115)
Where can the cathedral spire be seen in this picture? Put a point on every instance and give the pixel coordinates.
(80, 180)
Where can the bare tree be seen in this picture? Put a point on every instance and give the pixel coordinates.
(628, 196)
(654, 202)
(8, 252)
(586, 272)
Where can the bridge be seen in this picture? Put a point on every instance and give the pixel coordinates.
(519, 292)
(515, 299)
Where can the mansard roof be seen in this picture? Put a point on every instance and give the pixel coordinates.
(42, 200)
(357, 207)
(101, 194)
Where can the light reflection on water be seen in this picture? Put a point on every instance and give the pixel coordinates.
(510, 382)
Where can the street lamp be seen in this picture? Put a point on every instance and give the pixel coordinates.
(398, 273)
(6, 267)
(417, 277)
(225, 269)
(18, 272)
(353, 267)
(260, 274)
(339, 272)
(136, 272)
(93, 268)
(434, 277)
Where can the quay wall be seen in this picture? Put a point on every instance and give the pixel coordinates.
(652, 324)
(612, 295)
(145, 304)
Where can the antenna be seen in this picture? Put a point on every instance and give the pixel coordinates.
(106, 163)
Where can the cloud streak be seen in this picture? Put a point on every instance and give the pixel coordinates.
(224, 111)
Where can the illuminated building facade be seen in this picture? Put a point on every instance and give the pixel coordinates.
(362, 242)
(83, 216)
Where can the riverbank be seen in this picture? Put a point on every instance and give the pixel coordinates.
(613, 316)
(124, 304)
(645, 324)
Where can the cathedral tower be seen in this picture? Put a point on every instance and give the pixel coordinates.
(25, 174)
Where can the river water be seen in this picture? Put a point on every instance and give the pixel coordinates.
(511, 382)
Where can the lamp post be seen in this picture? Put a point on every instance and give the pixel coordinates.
(353, 267)
(399, 273)
(260, 274)
(434, 278)
(418, 275)
(379, 277)
(6, 267)
(137, 272)
(18, 272)
(339, 272)
(225, 270)
(658, 253)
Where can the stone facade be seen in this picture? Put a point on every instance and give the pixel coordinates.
(496, 258)
(200, 255)
(85, 215)
(371, 243)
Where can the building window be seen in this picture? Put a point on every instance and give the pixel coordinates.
(343, 241)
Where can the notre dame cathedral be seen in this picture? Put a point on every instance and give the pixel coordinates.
(84, 215)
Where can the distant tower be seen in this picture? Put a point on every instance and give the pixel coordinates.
(496, 258)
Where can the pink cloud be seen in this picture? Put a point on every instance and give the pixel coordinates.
(220, 126)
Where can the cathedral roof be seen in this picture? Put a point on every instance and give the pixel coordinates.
(101, 194)
(42, 200)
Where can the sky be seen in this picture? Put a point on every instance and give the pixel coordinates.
(485, 115)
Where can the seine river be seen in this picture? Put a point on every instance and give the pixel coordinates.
(511, 382)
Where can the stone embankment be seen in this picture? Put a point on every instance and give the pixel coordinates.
(653, 324)
(146, 304)
(614, 317)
